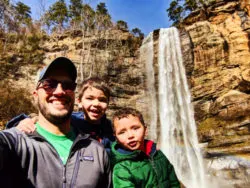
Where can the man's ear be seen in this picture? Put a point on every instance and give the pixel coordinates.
(146, 131)
(35, 95)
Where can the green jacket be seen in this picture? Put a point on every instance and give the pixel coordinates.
(139, 170)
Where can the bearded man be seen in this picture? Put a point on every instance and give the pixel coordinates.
(57, 154)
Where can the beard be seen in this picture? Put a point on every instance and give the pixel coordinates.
(55, 118)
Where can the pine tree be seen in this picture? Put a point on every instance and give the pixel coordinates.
(103, 19)
(88, 17)
(101, 9)
(75, 11)
(137, 32)
(120, 24)
(22, 13)
(178, 9)
(7, 13)
(175, 11)
(57, 15)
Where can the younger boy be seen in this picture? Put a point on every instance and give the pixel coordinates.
(136, 161)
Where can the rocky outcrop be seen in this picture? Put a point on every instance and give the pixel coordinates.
(219, 82)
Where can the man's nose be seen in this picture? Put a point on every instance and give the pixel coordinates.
(59, 89)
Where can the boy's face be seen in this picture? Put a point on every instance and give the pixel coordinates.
(130, 132)
(94, 103)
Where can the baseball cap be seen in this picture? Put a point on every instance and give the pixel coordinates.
(60, 62)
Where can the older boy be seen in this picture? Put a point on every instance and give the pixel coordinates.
(137, 162)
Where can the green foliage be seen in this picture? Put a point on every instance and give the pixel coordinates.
(178, 9)
(88, 17)
(7, 13)
(175, 11)
(75, 10)
(21, 50)
(14, 102)
(57, 15)
(3, 6)
(101, 9)
(191, 5)
(137, 32)
(22, 13)
(103, 19)
(120, 24)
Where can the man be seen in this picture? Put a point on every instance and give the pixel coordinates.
(57, 154)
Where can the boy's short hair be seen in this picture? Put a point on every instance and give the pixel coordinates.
(125, 112)
(97, 83)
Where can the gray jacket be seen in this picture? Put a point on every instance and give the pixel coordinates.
(28, 160)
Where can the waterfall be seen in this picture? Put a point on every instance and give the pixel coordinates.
(177, 129)
(147, 55)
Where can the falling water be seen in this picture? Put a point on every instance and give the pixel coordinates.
(177, 138)
(147, 55)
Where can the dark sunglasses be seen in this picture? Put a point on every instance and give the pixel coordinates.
(50, 85)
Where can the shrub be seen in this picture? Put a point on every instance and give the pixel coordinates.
(13, 102)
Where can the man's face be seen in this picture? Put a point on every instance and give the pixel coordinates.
(55, 105)
(94, 103)
(130, 132)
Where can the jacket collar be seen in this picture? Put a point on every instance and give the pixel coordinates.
(150, 148)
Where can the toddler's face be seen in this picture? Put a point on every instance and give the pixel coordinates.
(94, 104)
(130, 132)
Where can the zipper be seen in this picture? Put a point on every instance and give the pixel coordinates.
(38, 136)
(76, 168)
(78, 157)
(151, 160)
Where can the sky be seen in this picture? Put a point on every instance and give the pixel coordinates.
(147, 15)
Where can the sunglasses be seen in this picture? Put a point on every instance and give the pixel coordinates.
(50, 85)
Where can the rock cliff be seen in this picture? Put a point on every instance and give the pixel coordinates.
(216, 52)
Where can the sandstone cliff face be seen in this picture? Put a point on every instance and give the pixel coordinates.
(219, 78)
(111, 55)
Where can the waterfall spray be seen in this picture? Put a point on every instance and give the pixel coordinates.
(178, 138)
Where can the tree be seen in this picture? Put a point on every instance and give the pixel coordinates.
(103, 19)
(22, 13)
(178, 9)
(101, 9)
(75, 11)
(137, 32)
(57, 15)
(191, 5)
(175, 11)
(122, 25)
(7, 13)
(88, 17)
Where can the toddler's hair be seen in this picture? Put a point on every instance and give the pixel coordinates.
(95, 82)
(125, 112)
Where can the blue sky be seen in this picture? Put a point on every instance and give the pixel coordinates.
(147, 15)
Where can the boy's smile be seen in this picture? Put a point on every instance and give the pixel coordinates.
(94, 103)
(130, 132)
